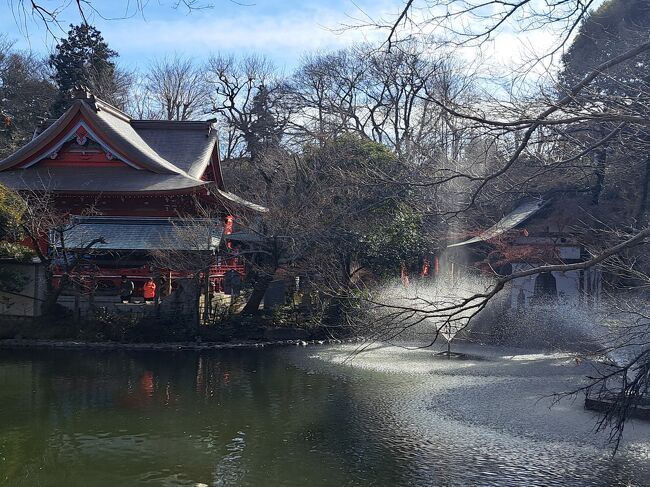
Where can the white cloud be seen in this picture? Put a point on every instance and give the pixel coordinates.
(283, 36)
(285, 29)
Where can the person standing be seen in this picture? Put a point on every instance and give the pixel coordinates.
(126, 289)
(149, 290)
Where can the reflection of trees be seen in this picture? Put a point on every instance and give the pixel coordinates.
(230, 414)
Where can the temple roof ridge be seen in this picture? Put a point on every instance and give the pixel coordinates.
(144, 144)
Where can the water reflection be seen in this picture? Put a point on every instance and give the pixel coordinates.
(231, 418)
(275, 417)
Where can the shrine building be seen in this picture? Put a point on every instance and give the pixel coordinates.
(143, 179)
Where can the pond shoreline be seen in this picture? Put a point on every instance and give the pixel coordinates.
(13, 343)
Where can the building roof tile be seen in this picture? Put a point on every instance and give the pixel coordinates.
(166, 154)
(524, 210)
(96, 180)
(143, 234)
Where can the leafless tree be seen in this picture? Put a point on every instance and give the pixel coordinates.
(47, 228)
(249, 96)
(192, 249)
(382, 95)
(578, 134)
(25, 96)
(176, 89)
(50, 14)
(473, 22)
(115, 89)
(140, 105)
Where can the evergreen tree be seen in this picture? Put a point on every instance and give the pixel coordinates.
(618, 25)
(265, 131)
(614, 28)
(84, 58)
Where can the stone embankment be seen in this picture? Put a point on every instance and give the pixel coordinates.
(165, 347)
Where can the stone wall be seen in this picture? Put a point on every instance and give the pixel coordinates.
(182, 301)
(27, 302)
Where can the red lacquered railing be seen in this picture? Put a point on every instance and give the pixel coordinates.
(89, 276)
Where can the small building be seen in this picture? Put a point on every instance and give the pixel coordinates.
(538, 231)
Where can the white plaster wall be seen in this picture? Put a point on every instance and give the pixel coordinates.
(521, 284)
(568, 285)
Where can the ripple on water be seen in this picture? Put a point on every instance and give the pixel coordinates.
(490, 422)
(304, 416)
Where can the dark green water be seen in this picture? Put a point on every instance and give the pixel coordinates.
(70, 418)
(279, 417)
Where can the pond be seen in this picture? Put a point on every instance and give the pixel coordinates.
(295, 416)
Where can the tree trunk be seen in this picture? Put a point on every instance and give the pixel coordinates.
(260, 286)
(640, 218)
(600, 160)
(52, 293)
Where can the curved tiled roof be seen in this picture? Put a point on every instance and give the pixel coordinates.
(524, 210)
(239, 201)
(188, 144)
(164, 154)
(96, 180)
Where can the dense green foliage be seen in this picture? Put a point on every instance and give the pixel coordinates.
(11, 211)
(15, 251)
(618, 25)
(83, 58)
(397, 238)
(382, 231)
(265, 133)
(10, 215)
(619, 168)
(11, 281)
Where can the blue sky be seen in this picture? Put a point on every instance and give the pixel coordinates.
(281, 29)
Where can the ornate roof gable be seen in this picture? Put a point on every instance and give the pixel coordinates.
(94, 147)
(90, 118)
(80, 139)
